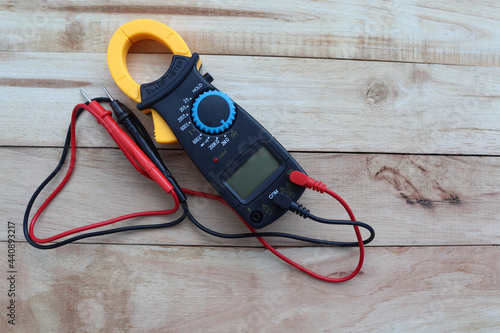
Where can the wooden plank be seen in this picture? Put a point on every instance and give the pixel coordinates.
(153, 289)
(409, 200)
(341, 106)
(447, 32)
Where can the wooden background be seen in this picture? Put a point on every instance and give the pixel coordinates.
(394, 104)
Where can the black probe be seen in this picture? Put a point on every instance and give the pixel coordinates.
(143, 140)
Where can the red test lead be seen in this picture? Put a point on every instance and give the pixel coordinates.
(301, 179)
(142, 154)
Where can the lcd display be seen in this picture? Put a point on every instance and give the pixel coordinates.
(253, 172)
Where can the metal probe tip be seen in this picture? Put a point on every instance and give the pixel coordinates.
(85, 95)
(107, 93)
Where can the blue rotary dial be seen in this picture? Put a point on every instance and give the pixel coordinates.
(213, 112)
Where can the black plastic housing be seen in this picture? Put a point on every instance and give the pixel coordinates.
(218, 156)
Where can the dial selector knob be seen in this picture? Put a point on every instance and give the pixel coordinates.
(213, 112)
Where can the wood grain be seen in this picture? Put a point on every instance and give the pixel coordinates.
(393, 103)
(447, 32)
(105, 288)
(409, 200)
(340, 106)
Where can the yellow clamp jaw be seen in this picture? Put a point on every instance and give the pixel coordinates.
(118, 47)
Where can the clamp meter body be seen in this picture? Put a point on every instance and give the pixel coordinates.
(237, 155)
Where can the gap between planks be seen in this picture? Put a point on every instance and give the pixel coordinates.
(290, 151)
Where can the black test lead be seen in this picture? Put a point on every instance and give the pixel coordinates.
(303, 180)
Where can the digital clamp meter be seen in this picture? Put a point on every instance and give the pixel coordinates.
(237, 155)
(252, 172)
(239, 158)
